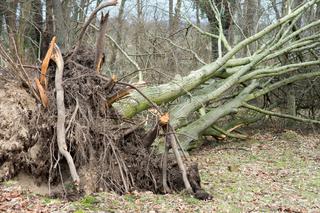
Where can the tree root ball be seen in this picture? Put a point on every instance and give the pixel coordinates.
(106, 157)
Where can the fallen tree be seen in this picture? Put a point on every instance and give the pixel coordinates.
(233, 74)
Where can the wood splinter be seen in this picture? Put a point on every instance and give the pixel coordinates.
(42, 83)
(101, 43)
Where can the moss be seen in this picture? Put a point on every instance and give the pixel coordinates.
(88, 202)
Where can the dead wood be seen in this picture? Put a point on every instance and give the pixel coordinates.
(165, 166)
(151, 135)
(171, 141)
(61, 135)
(101, 43)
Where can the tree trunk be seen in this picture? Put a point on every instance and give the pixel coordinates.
(139, 31)
(37, 30)
(59, 24)
(49, 28)
(114, 49)
(251, 9)
(192, 131)
(11, 21)
(223, 97)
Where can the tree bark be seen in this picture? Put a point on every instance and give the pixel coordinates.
(192, 132)
(11, 20)
(61, 135)
(59, 24)
(118, 39)
(164, 93)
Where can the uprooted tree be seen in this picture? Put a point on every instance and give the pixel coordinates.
(86, 125)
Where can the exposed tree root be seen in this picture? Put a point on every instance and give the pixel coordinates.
(61, 133)
(109, 152)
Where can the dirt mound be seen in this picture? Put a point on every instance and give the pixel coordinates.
(16, 109)
(107, 150)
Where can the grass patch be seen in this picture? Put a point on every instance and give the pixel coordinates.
(88, 202)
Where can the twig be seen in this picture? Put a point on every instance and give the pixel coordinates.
(185, 49)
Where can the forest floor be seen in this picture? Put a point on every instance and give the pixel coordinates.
(270, 172)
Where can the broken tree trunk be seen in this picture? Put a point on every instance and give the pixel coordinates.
(101, 43)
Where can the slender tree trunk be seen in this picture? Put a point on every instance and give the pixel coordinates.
(170, 17)
(139, 31)
(11, 20)
(174, 21)
(177, 14)
(114, 50)
(37, 30)
(1, 17)
(251, 8)
(49, 28)
(59, 24)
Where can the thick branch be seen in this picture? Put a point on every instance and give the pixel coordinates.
(61, 134)
(194, 129)
(281, 115)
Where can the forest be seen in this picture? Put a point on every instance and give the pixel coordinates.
(159, 105)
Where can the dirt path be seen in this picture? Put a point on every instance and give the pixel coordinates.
(268, 173)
